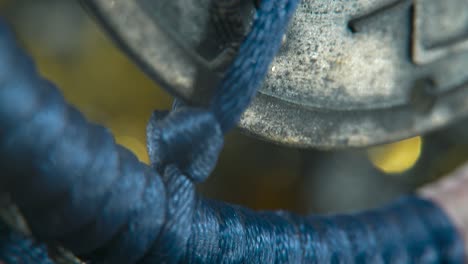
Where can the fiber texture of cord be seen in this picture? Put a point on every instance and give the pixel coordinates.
(17, 248)
(77, 188)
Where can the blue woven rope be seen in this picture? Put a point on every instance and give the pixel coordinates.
(76, 187)
(17, 248)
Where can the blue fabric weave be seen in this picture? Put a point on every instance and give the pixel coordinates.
(77, 188)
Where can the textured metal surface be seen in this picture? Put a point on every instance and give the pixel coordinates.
(350, 73)
(171, 40)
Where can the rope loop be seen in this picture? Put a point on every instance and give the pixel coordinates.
(187, 137)
(79, 189)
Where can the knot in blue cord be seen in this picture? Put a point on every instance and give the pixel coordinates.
(192, 138)
(77, 188)
(187, 137)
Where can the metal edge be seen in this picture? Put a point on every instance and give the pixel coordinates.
(176, 83)
(273, 120)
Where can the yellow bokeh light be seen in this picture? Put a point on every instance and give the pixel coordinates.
(396, 157)
(105, 85)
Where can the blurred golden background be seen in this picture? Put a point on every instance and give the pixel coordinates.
(73, 52)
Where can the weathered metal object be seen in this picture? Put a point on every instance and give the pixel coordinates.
(176, 42)
(351, 73)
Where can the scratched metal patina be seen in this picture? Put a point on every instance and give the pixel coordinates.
(350, 73)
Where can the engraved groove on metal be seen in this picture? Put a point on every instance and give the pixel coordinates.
(351, 73)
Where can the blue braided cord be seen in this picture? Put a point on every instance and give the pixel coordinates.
(77, 187)
(17, 248)
(248, 70)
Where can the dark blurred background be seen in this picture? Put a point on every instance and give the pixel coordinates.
(72, 51)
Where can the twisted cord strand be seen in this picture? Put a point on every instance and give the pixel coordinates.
(251, 65)
(76, 187)
(17, 248)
